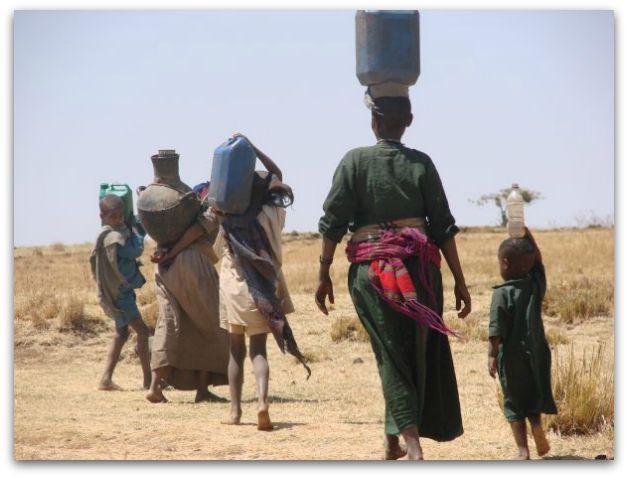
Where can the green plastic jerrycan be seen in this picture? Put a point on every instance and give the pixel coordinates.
(123, 191)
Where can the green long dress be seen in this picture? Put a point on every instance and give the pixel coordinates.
(524, 358)
(373, 185)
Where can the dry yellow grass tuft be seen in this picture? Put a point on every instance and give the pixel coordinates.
(471, 328)
(314, 356)
(580, 298)
(150, 312)
(348, 328)
(38, 306)
(58, 247)
(146, 296)
(584, 393)
(555, 337)
(71, 314)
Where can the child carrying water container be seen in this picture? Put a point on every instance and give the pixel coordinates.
(518, 351)
(254, 298)
(116, 272)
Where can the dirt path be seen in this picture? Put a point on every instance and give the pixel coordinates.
(336, 415)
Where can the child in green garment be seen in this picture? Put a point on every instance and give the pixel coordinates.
(518, 351)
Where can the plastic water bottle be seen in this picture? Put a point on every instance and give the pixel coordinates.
(514, 209)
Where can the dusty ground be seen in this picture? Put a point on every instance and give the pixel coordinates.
(336, 415)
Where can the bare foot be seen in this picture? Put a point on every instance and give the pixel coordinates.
(234, 417)
(522, 455)
(395, 453)
(156, 397)
(263, 421)
(109, 386)
(542, 446)
(392, 449)
(207, 396)
(415, 454)
(146, 384)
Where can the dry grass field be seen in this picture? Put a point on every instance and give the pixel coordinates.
(61, 338)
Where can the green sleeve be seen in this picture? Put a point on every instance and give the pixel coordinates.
(441, 225)
(498, 318)
(341, 202)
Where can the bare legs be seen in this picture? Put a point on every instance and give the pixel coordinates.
(202, 392)
(542, 446)
(141, 348)
(119, 339)
(160, 375)
(155, 393)
(521, 439)
(262, 374)
(519, 431)
(411, 436)
(392, 449)
(237, 353)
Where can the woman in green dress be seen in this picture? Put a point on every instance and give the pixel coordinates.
(392, 200)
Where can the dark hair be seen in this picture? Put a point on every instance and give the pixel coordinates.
(393, 111)
(110, 202)
(520, 253)
(515, 247)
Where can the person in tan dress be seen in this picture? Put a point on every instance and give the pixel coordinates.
(190, 350)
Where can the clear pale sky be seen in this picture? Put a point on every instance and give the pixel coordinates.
(503, 96)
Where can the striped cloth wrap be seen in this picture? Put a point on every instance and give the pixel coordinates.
(390, 278)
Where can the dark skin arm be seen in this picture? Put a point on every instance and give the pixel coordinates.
(493, 348)
(268, 163)
(537, 252)
(450, 251)
(325, 285)
(191, 235)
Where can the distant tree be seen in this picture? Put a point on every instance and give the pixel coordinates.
(499, 199)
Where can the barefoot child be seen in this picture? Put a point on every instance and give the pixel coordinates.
(518, 351)
(253, 294)
(116, 272)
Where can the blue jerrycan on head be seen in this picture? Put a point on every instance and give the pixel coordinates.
(231, 177)
(387, 46)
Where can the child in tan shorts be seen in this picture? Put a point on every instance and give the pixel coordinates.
(246, 303)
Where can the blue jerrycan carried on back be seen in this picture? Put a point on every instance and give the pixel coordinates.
(232, 176)
(387, 46)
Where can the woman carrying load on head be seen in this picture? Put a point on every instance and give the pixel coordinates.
(391, 198)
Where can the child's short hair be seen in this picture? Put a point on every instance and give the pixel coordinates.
(515, 246)
(110, 202)
(518, 250)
